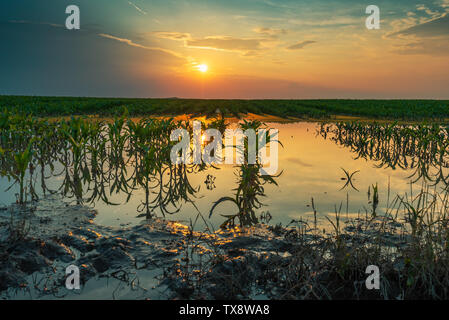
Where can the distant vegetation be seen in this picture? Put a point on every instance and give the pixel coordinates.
(315, 109)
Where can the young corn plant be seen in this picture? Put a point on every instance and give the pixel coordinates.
(20, 165)
(250, 185)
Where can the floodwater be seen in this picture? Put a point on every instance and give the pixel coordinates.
(312, 167)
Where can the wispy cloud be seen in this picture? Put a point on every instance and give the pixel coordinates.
(137, 8)
(434, 28)
(428, 11)
(137, 45)
(300, 45)
(178, 36)
(226, 43)
(37, 23)
(123, 40)
(270, 31)
(444, 4)
(331, 22)
(428, 38)
(431, 47)
(245, 46)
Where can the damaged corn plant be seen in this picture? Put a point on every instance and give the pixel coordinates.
(250, 182)
(97, 159)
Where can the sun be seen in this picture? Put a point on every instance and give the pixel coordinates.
(202, 67)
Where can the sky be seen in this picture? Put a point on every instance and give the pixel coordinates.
(265, 49)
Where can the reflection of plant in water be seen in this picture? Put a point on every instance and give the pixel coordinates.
(375, 201)
(21, 162)
(93, 158)
(77, 133)
(210, 182)
(47, 148)
(423, 148)
(149, 151)
(265, 217)
(250, 184)
(98, 158)
(349, 179)
(100, 165)
(16, 152)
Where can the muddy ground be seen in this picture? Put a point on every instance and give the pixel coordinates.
(157, 259)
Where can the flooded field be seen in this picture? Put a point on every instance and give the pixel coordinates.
(315, 161)
(107, 196)
(312, 166)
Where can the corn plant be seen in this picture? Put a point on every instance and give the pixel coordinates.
(250, 186)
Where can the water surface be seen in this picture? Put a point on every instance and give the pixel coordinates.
(312, 167)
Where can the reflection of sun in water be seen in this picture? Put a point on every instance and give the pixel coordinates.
(202, 67)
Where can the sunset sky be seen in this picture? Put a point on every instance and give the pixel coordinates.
(252, 49)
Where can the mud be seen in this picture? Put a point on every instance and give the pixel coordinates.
(153, 260)
(156, 259)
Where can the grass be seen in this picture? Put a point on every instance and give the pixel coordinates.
(409, 110)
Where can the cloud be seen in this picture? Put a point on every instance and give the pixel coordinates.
(300, 45)
(428, 38)
(89, 28)
(433, 14)
(270, 32)
(432, 47)
(330, 22)
(137, 45)
(300, 162)
(434, 28)
(127, 41)
(179, 36)
(246, 46)
(137, 8)
(227, 43)
(55, 25)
